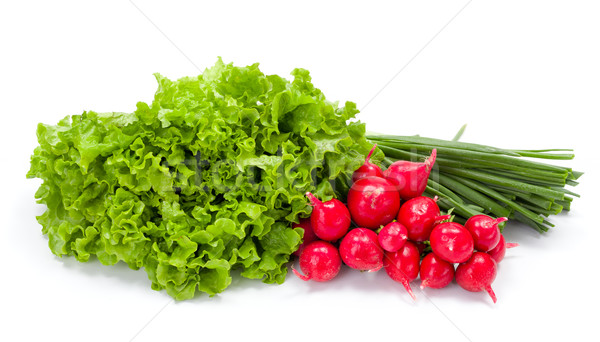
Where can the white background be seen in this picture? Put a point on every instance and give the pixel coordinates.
(522, 74)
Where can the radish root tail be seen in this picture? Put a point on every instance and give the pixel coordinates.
(441, 218)
(489, 290)
(313, 200)
(370, 153)
(409, 290)
(500, 220)
(301, 276)
(431, 160)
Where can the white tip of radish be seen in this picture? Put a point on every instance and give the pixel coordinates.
(409, 290)
(376, 268)
(412, 295)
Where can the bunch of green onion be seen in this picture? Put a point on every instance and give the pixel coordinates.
(472, 179)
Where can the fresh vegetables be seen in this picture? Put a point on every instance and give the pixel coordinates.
(364, 250)
(212, 176)
(477, 274)
(207, 178)
(330, 220)
(319, 261)
(443, 242)
(360, 250)
(373, 202)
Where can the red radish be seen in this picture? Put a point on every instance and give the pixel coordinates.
(497, 253)
(403, 265)
(392, 237)
(485, 231)
(368, 169)
(360, 250)
(451, 242)
(435, 272)
(419, 215)
(330, 220)
(309, 234)
(319, 261)
(410, 178)
(373, 202)
(477, 274)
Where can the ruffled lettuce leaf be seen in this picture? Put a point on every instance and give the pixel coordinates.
(206, 179)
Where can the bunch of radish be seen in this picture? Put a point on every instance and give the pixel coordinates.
(406, 240)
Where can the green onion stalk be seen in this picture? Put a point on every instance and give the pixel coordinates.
(471, 179)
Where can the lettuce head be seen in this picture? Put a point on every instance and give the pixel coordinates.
(206, 179)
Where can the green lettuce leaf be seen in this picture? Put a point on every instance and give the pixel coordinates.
(206, 179)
